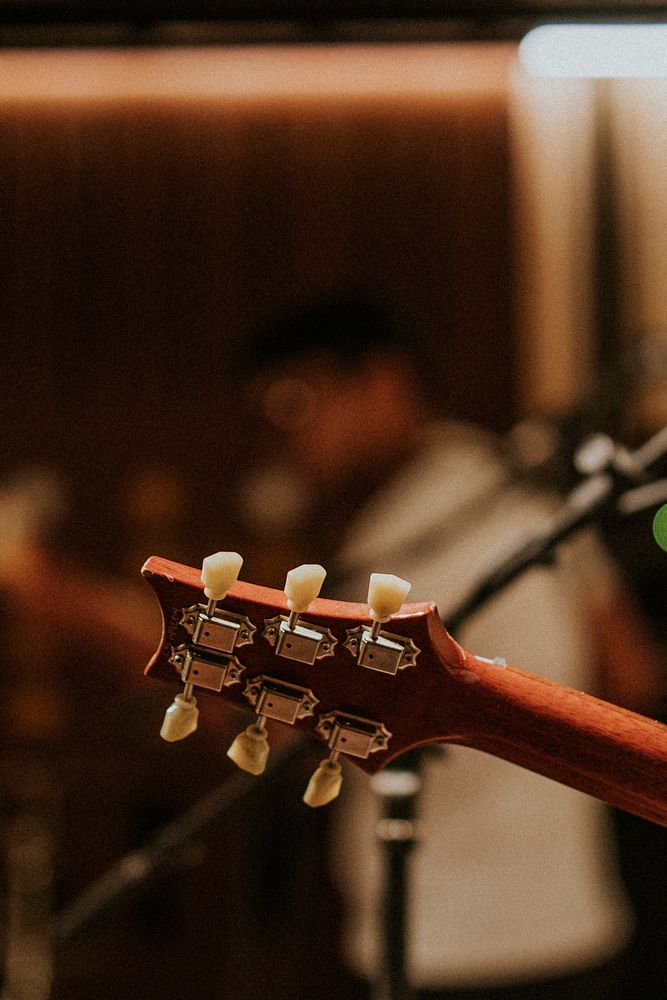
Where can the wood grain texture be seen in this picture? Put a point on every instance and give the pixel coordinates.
(448, 696)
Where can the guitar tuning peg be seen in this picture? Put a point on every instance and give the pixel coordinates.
(219, 572)
(181, 718)
(386, 594)
(271, 699)
(303, 642)
(250, 749)
(372, 647)
(344, 734)
(324, 785)
(302, 586)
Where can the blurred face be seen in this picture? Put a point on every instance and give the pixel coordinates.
(318, 411)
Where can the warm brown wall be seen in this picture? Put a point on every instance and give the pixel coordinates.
(147, 229)
(153, 212)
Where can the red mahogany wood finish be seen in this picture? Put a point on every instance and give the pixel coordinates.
(447, 696)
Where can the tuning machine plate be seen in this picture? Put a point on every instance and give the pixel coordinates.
(385, 652)
(353, 735)
(205, 673)
(300, 643)
(278, 700)
(219, 632)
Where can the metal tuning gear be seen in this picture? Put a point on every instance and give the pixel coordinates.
(293, 640)
(344, 734)
(204, 672)
(271, 699)
(207, 663)
(372, 647)
(218, 632)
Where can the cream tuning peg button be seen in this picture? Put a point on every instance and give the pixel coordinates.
(250, 749)
(373, 648)
(180, 719)
(324, 786)
(386, 594)
(304, 643)
(219, 573)
(302, 585)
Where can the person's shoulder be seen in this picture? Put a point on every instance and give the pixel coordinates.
(454, 470)
(455, 451)
(455, 437)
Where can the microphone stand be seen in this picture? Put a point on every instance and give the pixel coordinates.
(616, 480)
(398, 787)
(163, 851)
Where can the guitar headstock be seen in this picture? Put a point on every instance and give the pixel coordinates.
(370, 683)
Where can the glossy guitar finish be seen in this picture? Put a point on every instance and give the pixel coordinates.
(447, 695)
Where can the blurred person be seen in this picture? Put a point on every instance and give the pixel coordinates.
(515, 891)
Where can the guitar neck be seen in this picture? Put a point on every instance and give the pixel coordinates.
(422, 688)
(581, 741)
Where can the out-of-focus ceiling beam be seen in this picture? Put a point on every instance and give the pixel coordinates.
(191, 21)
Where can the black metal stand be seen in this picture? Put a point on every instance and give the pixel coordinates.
(398, 787)
(164, 851)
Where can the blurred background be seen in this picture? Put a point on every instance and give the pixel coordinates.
(165, 192)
